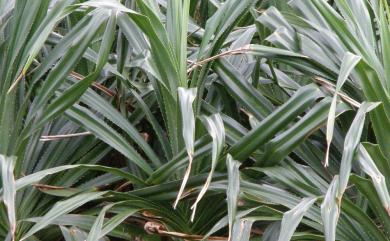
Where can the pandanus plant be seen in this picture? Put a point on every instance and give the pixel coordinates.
(194, 120)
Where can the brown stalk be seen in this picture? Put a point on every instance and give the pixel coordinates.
(330, 87)
(15, 83)
(94, 84)
(159, 229)
(227, 53)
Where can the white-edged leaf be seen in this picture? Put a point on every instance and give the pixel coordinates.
(186, 98)
(348, 64)
(378, 179)
(96, 230)
(177, 30)
(113, 222)
(225, 221)
(242, 230)
(37, 176)
(9, 190)
(351, 143)
(233, 190)
(108, 4)
(61, 208)
(60, 10)
(330, 210)
(292, 218)
(215, 127)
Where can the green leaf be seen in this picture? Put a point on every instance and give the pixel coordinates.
(385, 36)
(379, 181)
(61, 208)
(102, 106)
(330, 210)
(73, 234)
(60, 10)
(70, 96)
(9, 190)
(68, 61)
(96, 229)
(233, 190)
(177, 28)
(272, 124)
(37, 176)
(215, 127)
(351, 143)
(368, 190)
(158, 130)
(116, 220)
(292, 218)
(242, 230)
(347, 65)
(186, 98)
(87, 119)
(279, 147)
(242, 90)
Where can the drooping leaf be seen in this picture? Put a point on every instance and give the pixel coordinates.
(9, 190)
(215, 127)
(96, 229)
(351, 143)
(232, 192)
(347, 65)
(292, 218)
(330, 210)
(186, 98)
(379, 181)
(61, 208)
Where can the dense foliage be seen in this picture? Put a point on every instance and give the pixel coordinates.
(163, 120)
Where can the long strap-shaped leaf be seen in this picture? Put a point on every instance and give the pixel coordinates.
(96, 229)
(61, 208)
(347, 65)
(104, 132)
(115, 221)
(242, 90)
(98, 103)
(330, 208)
(100, 228)
(70, 96)
(242, 230)
(385, 37)
(68, 61)
(272, 124)
(215, 127)
(60, 10)
(369, 167)
(186, 98)
(37, 176)
(368, 190)
(351, 143)
(217, 30)
(292, 218)
(177, 28)
(284, 143)
(9, 190)
(233, 190)
(330, 211)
